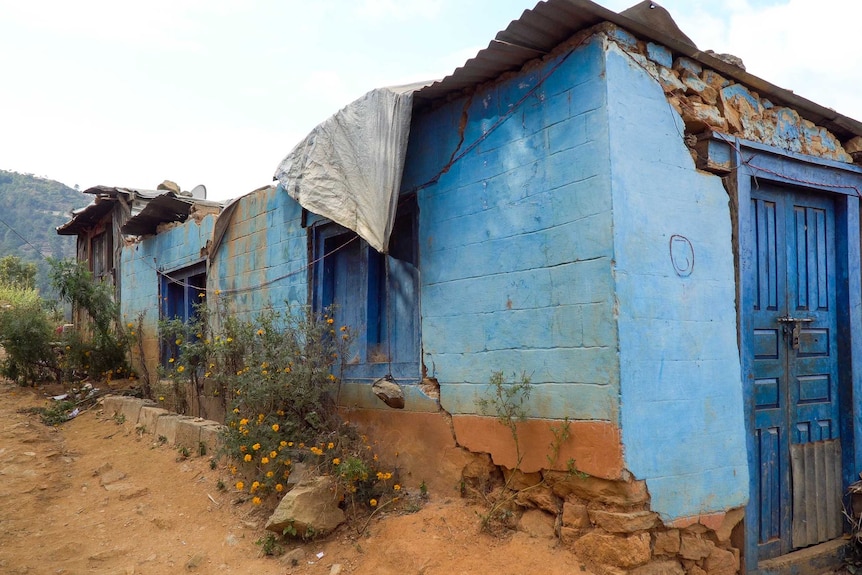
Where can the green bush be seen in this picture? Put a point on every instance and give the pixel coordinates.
(26, 334)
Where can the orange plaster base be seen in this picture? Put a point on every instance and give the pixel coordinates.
(594, 446)
(420, 444)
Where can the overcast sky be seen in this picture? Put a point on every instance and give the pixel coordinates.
(216, 92)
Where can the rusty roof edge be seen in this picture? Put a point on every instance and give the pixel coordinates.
(777, 93)
(808, 109)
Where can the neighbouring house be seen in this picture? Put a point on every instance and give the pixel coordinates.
(666, 244)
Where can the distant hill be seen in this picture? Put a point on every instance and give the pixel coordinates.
(31, 208)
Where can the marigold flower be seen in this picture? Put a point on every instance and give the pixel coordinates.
(330, 321)
(256, 446)
(230, 339)
(260, 332)
(373, 503)
(161, 398)
(178, 341)
(242, 421)
(279, 487)
(247, 457)
(283, 443)
(264, 460)
(396, 487)
(256, 500)
(171, 360)
(330, 445)
(286, 370)
(290, 444)
(275, 427)
(243, 448)
(336, 461)
(240, 485)
(181, 369)
(344, 328)
(218, 292)
(270, 473)
(331, 377)
(273, 454)
(255, 485)
(130, 325)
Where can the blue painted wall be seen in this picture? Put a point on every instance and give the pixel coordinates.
(139, 290)
(516, 240)
(680, 382)
(261, 261)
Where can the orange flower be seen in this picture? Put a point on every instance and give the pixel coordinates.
(373, 503)
(256, 500)
(279, 487)
(240, 485)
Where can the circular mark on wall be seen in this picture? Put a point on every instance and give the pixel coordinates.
(681, 255)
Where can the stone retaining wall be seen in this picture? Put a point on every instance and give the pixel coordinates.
(200, 436)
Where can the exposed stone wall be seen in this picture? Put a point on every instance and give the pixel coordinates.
(608, 523)
(706, 100)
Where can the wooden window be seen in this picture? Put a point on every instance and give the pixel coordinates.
(380, 305)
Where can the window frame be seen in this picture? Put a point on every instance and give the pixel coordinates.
(336, 249)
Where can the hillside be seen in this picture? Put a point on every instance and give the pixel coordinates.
(30, 209)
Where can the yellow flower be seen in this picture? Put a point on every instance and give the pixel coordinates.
(230, 339)
(181, 369)
(202, 294)
(343, 328)
(256, 500)
(242, 421)
(273, 454)
(260, 332)
(286, 370)
(171, 360)
(283, 443)
(275, 427)
(330, 445)
(240, 485)
(255, 485)
(243, 448)
(336, 461)
(207, 374)
(279, 487)
(373, 503)
(330, 321)
(396, 487)
(130, 325)
(161, 398)
(218, 292)
(264, 460)
(331, 377)
(270, 473)
(247, 457)
(290, 444)
(256, 446)
(178, 341)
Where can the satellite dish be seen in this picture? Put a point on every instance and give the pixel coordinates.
(199, 192)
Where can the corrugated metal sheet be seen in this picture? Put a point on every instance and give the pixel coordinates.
(165, 208)
(540, 30)
(816, 475)
(87, 217)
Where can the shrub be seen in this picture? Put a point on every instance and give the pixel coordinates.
(26, 333)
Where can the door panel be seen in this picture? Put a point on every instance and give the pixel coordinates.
(793, 350)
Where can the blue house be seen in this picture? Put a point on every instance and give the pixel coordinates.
(666, 244)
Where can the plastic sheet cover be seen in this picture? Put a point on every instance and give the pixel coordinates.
(348, 169)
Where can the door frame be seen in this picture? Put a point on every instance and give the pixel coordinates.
(751, 163)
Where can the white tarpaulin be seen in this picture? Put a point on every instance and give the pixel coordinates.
(348, 169)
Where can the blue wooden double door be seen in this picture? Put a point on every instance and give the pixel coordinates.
(794, 357)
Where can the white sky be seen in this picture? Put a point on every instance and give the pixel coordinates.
(216, 92)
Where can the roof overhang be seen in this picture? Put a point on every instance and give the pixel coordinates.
(538, 31)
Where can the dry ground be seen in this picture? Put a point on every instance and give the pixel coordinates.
(92, 496)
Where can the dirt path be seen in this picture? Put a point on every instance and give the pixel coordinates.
(93, 496)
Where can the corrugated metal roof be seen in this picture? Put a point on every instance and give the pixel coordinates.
(164, 208)
(87, 217)
(540, 30)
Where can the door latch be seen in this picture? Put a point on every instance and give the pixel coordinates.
(796, 330)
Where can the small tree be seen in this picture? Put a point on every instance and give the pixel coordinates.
(103, 352)
(15, 272)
